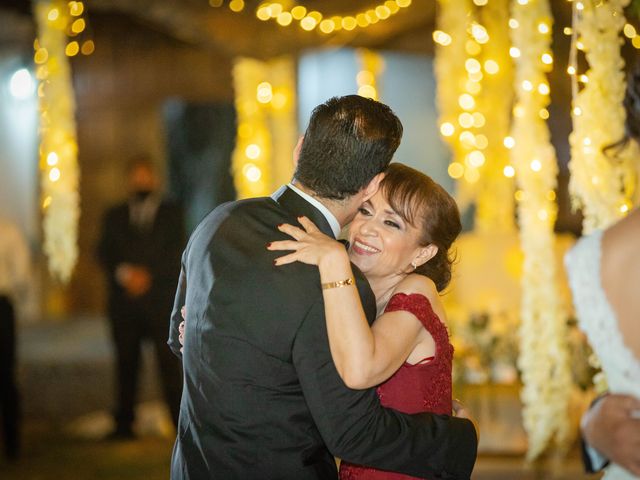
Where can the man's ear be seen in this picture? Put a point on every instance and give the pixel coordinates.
(371, 189)
(425, 254)
(296, 151)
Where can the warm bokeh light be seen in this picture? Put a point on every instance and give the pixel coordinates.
(367, 91)
(466, 101)
(236, 5)
(284, 19)
(298, 12)
(72, 49)
(264, 92)
(509, 171)
(536, 165)
(491, 67)
(455, 170)
(78, 26)
(349, 23)
(509, 142)
(447, 129)
(309, 20)
(53, 15)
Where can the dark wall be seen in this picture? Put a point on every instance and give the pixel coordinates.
(120, 92)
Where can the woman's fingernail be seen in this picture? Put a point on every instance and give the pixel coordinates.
(275, 262)
(280, 224)
(268, 244)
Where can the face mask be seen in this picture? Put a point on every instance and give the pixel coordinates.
(142, 194)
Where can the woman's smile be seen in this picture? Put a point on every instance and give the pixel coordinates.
(361, 248)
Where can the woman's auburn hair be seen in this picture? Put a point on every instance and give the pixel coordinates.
(426, 205)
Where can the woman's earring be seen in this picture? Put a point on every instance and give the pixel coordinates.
(413, 264)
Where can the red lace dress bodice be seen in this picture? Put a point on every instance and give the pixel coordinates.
(421, 387)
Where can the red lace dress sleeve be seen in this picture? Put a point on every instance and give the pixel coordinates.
(426, 385)
(421, 387)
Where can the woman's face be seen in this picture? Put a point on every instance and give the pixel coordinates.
(381, 242)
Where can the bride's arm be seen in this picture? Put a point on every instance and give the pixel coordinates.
(364, 356)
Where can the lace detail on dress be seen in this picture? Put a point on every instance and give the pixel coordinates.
(598, 320)
(422, 387)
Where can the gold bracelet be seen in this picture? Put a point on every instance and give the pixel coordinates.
(340, 283)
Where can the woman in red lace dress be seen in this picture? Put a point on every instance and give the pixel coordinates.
(400, 240)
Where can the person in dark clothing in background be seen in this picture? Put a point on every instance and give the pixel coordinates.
(14, 280)
(140, 248)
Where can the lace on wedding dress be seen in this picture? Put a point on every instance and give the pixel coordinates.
(598, 320)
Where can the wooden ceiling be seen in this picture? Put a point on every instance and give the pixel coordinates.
(197, 23)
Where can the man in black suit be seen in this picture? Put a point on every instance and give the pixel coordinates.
(261, 397)
(140, 249)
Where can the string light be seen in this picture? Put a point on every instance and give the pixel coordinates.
(284, 19)
(309, 21)
(236, 5)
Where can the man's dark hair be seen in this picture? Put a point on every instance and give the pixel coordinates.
(349, 141)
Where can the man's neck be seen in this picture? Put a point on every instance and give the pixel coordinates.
(340, 210)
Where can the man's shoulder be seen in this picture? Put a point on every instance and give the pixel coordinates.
(239, 208)
(234, 214)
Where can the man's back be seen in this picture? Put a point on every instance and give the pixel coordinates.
(243, 397)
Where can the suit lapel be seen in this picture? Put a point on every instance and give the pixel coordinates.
(298, 206)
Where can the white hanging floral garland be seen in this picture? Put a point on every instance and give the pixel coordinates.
(58, 144)
(495, 200)
(474, 76)
(266, 125)
(451, 55)
(543, 357)
(602, 185)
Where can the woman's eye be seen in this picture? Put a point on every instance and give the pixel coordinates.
(391, 223)
(363, 211)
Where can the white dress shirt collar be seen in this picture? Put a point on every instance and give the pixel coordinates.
(333, 221)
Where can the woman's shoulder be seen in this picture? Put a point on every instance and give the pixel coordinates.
(419, 295)
(418, 284)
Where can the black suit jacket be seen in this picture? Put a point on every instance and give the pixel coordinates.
(262, 398)
(158, 248)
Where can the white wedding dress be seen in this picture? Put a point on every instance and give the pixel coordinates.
(598, 320)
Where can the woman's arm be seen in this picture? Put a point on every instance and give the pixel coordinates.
(363, 356)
